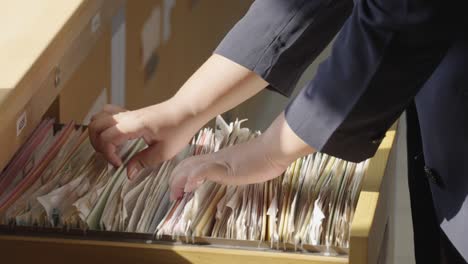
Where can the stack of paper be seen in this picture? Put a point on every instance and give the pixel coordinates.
(57, 180)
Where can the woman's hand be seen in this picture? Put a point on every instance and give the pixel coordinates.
(257, 160)
(217, 86)
(165, 131)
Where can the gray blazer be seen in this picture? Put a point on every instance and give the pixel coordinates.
(387, 54)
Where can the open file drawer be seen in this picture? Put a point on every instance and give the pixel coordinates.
(37, 84)
(57, 245)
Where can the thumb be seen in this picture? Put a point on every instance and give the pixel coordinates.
(147, 158)
(187, 176)
(211, 170)
(194, 180)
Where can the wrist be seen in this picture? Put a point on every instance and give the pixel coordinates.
(188, 108)
(281, 143)
(170, 113)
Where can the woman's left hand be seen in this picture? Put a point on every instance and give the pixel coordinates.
(257, 160)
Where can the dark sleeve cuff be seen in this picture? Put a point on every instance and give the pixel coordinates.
(279, 39)
(316, 124)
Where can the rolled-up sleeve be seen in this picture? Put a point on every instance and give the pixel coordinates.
(384, 53)
(279, 39)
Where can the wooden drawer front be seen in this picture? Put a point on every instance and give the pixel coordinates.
(44, 85)
(80, 251)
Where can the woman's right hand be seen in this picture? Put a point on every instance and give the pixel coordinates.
(217, 86)
(165, 130)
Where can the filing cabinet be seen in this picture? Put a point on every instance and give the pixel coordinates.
(56, 77)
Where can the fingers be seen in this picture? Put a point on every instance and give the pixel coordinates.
(134, 167)
(116, 136)
(178, 180)
(111, 128)
(113, 109)
(117, 129)
(108, 110)
(147, 158)
(93, 135)
(193, 172)
(211, 170)
(110, 153)
(176, 193)
(108, 150)
(100, 115)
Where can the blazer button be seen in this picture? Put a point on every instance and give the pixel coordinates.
(378, 139)
(433, 176)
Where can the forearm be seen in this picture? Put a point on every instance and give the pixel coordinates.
(281, 144)
(216, 87)
(257, 160)
(260, 159)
